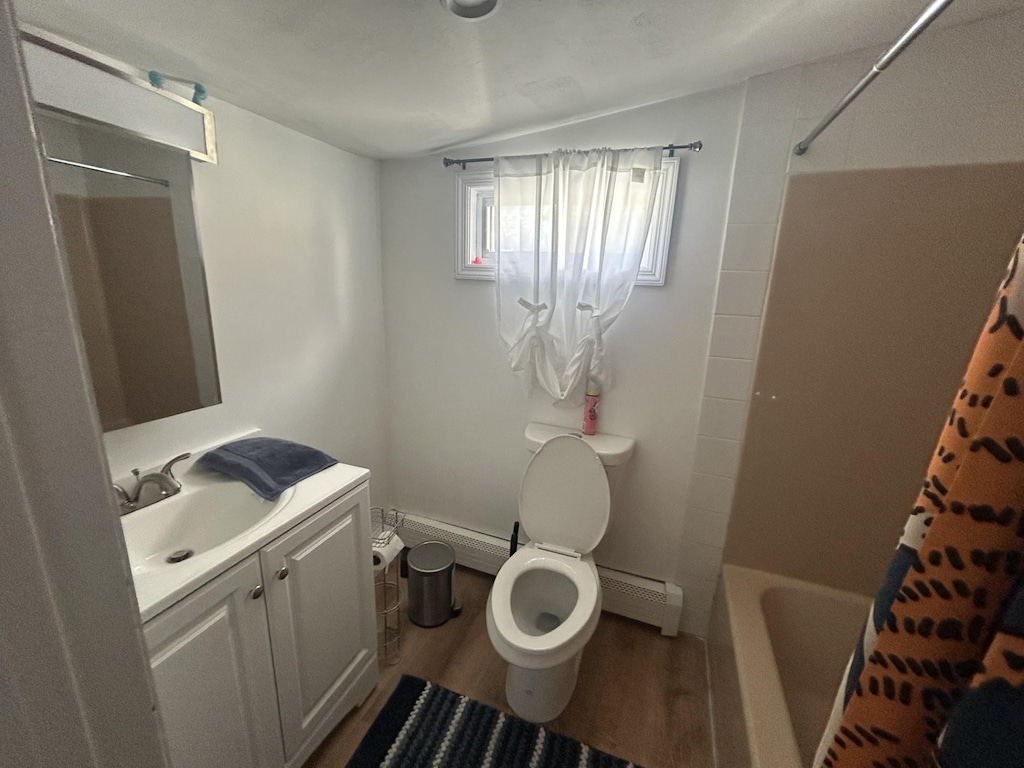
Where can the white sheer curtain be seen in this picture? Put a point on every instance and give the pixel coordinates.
(571, 232)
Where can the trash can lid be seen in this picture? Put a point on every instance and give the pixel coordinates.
(431, 557)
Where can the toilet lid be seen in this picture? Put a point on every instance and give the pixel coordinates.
(564, 497)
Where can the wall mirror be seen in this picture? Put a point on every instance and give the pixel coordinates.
(125, 213)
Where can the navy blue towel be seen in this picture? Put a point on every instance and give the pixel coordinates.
(268, 465)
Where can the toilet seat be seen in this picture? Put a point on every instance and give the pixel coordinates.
(565, 640)
(564, 501)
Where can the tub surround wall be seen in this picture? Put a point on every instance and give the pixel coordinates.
(290, 233)
(141, 371)
(866, 336)
(93, 322)
(952, 98)
(458, 414)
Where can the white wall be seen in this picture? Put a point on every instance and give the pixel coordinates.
(457, 413)
(290, 234)
(74, 678)
(955, 96)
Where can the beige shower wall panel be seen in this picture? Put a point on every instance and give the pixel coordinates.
(881, 282)
(146, 304)
(91, 301)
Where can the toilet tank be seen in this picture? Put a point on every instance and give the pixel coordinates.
(613, 450)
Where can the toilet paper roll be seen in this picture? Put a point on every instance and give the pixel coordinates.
(383, 556)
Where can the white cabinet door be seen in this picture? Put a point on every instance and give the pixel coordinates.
(214, 675)
(321, 616)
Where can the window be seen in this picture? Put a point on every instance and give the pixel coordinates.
(475, 226)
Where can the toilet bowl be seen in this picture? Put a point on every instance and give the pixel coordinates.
(546, 598)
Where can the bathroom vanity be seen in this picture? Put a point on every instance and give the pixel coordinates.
(263, 638)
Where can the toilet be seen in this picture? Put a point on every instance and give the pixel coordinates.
(546, 598)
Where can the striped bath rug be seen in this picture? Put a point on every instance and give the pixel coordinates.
(426, 725)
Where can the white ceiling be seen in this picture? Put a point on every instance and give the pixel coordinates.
(391, 78)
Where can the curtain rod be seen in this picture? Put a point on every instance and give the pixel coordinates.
(111, 171)
(921, 23)
(693, 146)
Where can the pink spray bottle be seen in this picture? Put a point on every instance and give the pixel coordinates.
(590, 408)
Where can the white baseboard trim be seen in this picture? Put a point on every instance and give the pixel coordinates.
(653, 602)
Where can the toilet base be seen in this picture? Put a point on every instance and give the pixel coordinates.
(540, 695)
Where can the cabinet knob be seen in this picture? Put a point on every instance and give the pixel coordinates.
(282, 572)
(256, 592)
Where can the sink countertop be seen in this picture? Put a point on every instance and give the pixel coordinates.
(156, 589)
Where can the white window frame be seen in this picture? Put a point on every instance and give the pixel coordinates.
(469, 186)
(653, 266)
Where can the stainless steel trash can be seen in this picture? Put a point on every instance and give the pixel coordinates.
(431, 565)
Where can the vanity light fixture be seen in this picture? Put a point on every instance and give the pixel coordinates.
(471, 10)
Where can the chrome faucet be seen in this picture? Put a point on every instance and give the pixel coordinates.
(164, 481)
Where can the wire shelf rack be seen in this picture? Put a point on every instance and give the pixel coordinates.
(387, 587)
(384, 524)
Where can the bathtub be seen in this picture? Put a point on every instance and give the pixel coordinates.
(777, 649)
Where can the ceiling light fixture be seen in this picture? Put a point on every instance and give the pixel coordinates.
(471, 10)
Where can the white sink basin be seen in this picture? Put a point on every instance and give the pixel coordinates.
(222, 522)
(200, 518)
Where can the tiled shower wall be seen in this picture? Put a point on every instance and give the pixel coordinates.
(742, 286)
(911, 116)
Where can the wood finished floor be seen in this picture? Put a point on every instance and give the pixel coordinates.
(640, 696)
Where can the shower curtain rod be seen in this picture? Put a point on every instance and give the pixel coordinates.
(920, 24)
(111, 171)
(693, 146)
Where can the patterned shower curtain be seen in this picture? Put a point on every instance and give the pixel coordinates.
(937, 678)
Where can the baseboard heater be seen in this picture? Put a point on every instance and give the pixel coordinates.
(652, 602)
